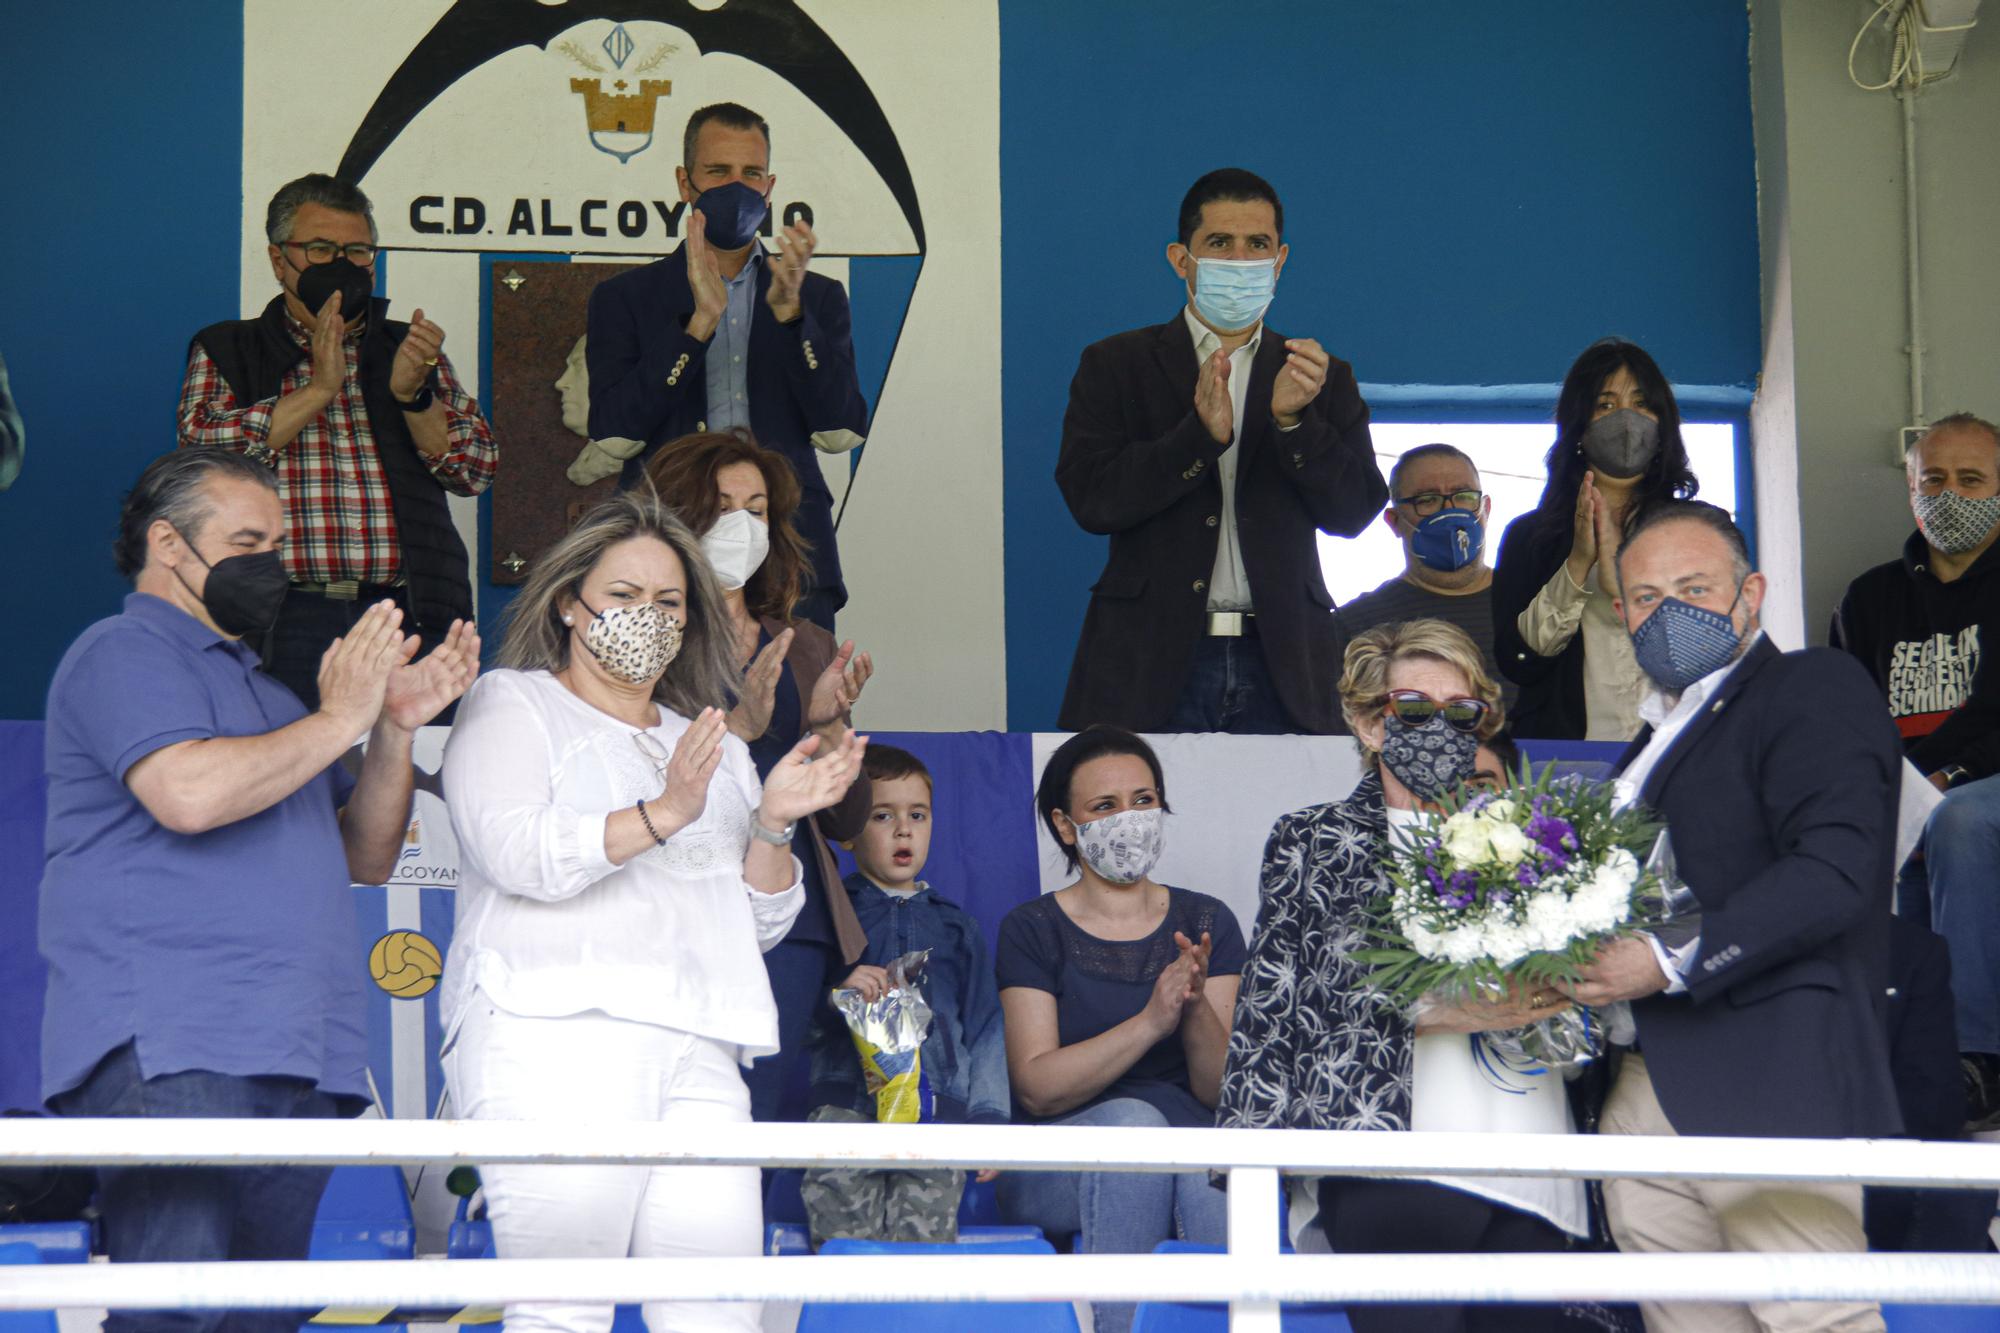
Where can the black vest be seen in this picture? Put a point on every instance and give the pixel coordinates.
(253, 356)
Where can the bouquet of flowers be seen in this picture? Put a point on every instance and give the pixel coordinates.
(1516, 889)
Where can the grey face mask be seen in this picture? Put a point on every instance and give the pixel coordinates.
(1955, 523)
(1620, 444)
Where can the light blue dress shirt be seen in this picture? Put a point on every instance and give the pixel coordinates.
(729, 350)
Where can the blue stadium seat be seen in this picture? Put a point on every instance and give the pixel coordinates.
(55, 1242)
(988, 1317)
(24, 1321)
(364, 1214)
(782, 1200)
(1172, 1317)
(980, 1205)
(1942, 1318)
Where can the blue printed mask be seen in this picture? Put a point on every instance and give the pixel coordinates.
(1448, 540)
(1679, 643)
(1233, 294)
(733, 213)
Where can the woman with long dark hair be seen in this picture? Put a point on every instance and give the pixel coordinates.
(1618, 452)
(790, 680)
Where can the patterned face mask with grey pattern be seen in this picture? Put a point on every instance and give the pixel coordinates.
(1955, 523)
(1122, 848)
(1430, 759)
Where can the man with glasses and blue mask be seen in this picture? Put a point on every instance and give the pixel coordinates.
(1776, 775)
(1212, 451)
(1918, 624)
(363, 421)
(1438, 511)
(725, 334)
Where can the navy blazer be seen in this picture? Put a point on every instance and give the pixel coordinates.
(1781, 797)
(1136, 464)
(649, 380)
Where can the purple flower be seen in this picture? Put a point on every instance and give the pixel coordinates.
(1528, 876)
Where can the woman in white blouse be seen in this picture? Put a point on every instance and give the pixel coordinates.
(622, 872)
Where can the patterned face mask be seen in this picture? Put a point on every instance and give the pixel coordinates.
(1955, 523)
(1680, 643)
(633, 643)
(1428, 759)
(1122, 848)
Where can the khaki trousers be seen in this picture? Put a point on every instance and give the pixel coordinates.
(1695, 1216)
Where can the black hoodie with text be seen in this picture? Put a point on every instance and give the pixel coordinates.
(1920, 638)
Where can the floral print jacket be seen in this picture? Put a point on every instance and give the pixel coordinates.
(1313, 1046)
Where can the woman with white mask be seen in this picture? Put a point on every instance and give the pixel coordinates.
(622, 868)
(1117, 993)
(789, 680)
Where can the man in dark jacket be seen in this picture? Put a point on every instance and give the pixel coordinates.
(1212, 450)
(362, 419)
(725, 334)
(1917, 624)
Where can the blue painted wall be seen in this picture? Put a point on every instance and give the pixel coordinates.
(1472, 193)
(120, 236)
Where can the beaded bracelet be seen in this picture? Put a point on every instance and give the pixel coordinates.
(647, 820)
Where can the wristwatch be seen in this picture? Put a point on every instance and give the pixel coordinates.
(762, 834)
(1955, 774)
(422, 402)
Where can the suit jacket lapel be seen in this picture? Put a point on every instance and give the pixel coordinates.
(1752, 662)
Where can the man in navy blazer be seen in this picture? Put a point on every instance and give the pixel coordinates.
(1777, 777)
(725, 334)
(1212, 449)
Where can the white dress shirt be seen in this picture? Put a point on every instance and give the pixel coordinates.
(1669, 715)
(548, 927)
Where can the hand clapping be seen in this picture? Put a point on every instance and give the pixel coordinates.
(800, 785)
(418, 691)
(788, 270)
(690, 767)
(838, 687)
(1299, 380)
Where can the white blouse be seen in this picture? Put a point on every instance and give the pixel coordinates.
(548, 927)
(1452, 1091)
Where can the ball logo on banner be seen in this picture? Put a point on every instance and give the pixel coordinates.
(405, 964)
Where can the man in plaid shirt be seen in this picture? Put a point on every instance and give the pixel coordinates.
(364, 422)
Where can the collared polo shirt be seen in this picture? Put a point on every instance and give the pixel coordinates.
(234, 951)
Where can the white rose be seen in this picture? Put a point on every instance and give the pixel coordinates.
(1469, 843)
(1509, 844)
(1502, 809)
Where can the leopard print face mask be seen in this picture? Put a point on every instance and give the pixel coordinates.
(632, 643)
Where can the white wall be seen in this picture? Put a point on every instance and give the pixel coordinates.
(1830, 172)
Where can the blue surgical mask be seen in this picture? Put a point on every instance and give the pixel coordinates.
(1233, 294)
(1680, 643)
(1448, 540)
(733, 213)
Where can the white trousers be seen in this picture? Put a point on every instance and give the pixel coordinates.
(503, 1066)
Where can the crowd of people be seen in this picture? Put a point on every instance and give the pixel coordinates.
(647, 788)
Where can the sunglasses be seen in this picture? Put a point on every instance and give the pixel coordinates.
(1414, 708)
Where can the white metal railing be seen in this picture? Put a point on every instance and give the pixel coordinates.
(1251, 1276)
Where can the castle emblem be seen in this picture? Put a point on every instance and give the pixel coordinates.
(620, 119)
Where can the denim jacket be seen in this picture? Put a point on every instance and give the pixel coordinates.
(965, 1055)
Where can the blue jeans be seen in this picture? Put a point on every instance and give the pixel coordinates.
(1229, 688)
(1951, 884)
(185, 1214)
(1118, 1212)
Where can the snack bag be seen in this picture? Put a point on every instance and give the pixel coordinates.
(889, 1034)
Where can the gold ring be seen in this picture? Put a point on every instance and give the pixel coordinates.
(430, 360)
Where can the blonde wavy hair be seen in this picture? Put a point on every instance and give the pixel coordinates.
(703, 673)
(1364, 676)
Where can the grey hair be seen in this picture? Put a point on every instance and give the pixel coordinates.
(1713, 517)
(317, 188)
(1956, 421)
(174, 487)
(704, 675)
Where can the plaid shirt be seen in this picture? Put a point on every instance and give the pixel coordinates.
(339, 521)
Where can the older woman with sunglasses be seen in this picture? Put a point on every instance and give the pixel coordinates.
(623, 870)
(1314, 1047)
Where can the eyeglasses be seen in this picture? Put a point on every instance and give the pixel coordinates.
(360, 253)
(1415, 708)
(1427, 503)
(649, 745)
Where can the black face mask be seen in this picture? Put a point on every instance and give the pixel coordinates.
(343, 275)
(243, 592)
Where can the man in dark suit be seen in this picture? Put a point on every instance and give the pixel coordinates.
(1211, 449)
(724, 333)
(1776, 774)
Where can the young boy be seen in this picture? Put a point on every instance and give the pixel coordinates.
(964, 1055)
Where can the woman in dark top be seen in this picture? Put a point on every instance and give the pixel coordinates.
(1618, 451)
(741, 498)
(1117, 993)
